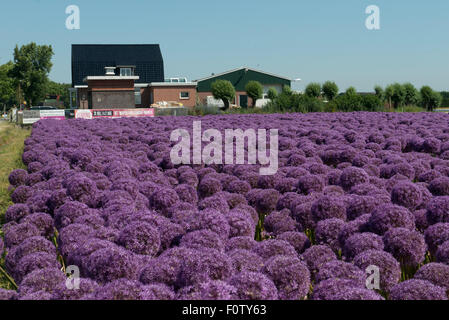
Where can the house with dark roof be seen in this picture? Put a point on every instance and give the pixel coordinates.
(121, 76)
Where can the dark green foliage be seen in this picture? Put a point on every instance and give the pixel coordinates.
(330, 90)
(254, 90)
(32, 64)
(7, 91)
(223, 90)
(411, 94)
(430, 99)
(272, 94)
(313, 90)
(380, 93)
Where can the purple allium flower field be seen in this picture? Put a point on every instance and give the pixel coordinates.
(353, 190)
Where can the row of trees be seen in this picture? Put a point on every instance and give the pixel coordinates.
(395, 95)
(224, 90)
(25, 79)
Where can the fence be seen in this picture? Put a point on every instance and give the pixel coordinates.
(28, 117)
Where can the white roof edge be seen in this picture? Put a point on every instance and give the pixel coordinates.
(234, 70)
(81, 86)
(111, 78)
(172, 84)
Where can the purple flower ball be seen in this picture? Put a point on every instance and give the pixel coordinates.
(202, 239)
(253, 286)
(21, 194)
(208, 187)
(162, 199)
(353, 176)
(270, 248)
(407, 246)
(204, 265)
(245, 260)
(361, 242)
(406, 194)
(436, 235)
(46, 279)
(438, 210)
(16, 234)
(327, 232)
(297, 239)
(337, 269)
(140, 238)
(241, 224)
(209, 291)
(279, 222)
(388, 216)
(327, 207)
(390, 270)
(246, 243)
(442, 254)
(417, 290)
(316, 256)
(436, 273)
(86, 287)
(310, 183)
(17, 177)
(16, 212)
(108, 264)
(333, 288)
(290, 275)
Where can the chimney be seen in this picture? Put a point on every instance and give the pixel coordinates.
(110, 71)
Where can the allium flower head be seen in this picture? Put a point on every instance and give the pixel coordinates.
(337, 269)
(361, 242)
(141, 238)
(436, 273)
(407, 246)
(390, 270)
(253, 286)
(417, 290)
(316, 256)
(327, 207)
(290, 275)
(297, 239)
(387, 216)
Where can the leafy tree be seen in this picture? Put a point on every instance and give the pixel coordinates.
(430, 99)
(272, 94)
(380, 94)
(371, 102)
(398, 96)
(7, 91)
(313, 90)
(32, 64)
(351, 91)
(389, 92)
(287, 90)
(254, 90)
(330, 90)
(223, 90)
(61, 90)
(411, 94)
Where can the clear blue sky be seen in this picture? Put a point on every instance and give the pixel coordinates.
(316, 40)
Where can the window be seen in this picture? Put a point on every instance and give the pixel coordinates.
(185, 95)
(137, 96)
(126, 72)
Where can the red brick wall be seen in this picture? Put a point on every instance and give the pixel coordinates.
(110, 85)
(172, 93)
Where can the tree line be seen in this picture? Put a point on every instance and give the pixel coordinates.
(24, 81)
